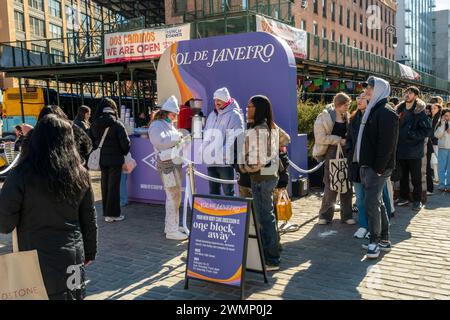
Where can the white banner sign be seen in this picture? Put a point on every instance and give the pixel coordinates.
(142, 44)
(296, 38)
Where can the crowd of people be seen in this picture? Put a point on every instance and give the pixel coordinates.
(48, 196)
(389, 146)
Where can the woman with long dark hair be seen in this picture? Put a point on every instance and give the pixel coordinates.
(262, 165)
(112, 156)
(82, 118)
(48, 198)
(83, 142)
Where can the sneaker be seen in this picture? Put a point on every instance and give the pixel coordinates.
(272, 267)
(429, 193)
(417, 206)
(385, 246)
(114, 219)
(350, 222)
(354, 209)
(323, 222)
(373, 251)
(402, 202)
(177, 236)
(360, 234)
(367, 236)
(181, 229)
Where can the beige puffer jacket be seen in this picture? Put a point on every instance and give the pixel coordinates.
(323, 127)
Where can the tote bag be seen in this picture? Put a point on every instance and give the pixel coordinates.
(94, 157)
(339, 181)
(129, 164)
(284, 206)
(20, 275)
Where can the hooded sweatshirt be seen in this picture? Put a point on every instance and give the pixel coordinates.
(381, 91)
(377, 138)
(227, 121)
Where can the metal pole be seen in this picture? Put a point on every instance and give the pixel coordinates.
(71, 100)
(132, 92)
(21, 100)
(57, 90)
(119, 92)
(138, 87)
(48, 91)
(82, 92)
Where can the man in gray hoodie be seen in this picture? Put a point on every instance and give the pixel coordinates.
(222, 127)
(376, 150)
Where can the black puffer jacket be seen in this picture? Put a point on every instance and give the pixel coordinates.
(415, 127)
(62, 235)
(83, 142)
(117, 143)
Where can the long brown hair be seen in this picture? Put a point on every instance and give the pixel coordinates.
(263, 111)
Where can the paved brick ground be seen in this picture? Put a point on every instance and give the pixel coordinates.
(135, 261)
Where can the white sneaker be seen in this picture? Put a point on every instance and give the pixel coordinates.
(360, 234)
(367, 235)
(114, 219)
(350, 222)
(177, 235)
(181, 229)
(322, 222)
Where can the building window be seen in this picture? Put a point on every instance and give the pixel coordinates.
(316, 9)
(333, 11)
(324, 33)
(36, 48)
(71, 18)
(315, 30)
(36, 4)
(20, 21)
(324, 8)
(341, 39)
(361, 24)
(333, 35)
(54, 8)
(348, 18)
(37, 27)
(355, 22)
(348, 41)
(303, 25)
(361, 45)
(341, 13)
(55, 31)
(58, 55)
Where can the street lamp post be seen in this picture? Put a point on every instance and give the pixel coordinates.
(390, 30)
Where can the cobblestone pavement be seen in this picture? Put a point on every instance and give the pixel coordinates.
(135, 261)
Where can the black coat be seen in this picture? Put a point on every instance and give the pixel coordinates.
(82, 141)
(379, 140)
(415, 127)
(62, 235)
(117, 143)
(352, 138)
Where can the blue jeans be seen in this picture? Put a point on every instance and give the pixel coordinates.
(123, 190)
(224, 173)
(263, 204)
(444, 168)
(360, 198)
